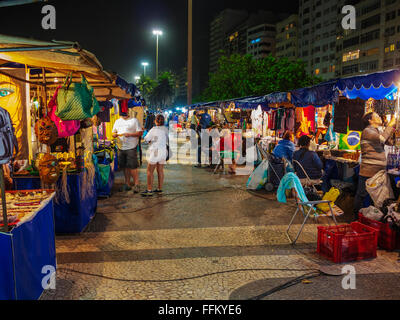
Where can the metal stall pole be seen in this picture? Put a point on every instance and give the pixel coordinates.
(3, 199)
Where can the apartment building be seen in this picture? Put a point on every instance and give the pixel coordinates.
(261, 40)
(220, 28)
(235, 31)
(287, 38)
(318, 21)
(375, 43)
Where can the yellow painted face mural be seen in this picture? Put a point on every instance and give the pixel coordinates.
(12, 98)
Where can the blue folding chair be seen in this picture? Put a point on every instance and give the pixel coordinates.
(292, 182)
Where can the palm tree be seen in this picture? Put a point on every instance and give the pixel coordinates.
(163, 93)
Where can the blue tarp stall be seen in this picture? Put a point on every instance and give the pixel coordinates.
(72, 217)
(277, 97)
(24, 252)
(379, 85)
(318, 96)
(250, 102)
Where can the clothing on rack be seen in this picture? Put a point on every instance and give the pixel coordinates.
(124, 106)
(348, 113)
(309, 114)
(289, 125)
(257, 121)
(115, 103)
(104, 114)
(302, 125)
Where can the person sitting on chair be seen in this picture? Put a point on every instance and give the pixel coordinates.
(309, 160)
(285, 147)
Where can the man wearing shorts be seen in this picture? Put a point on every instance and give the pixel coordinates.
(128, 132)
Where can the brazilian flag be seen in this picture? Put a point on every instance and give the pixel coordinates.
(350, 141)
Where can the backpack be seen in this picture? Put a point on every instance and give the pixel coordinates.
(8, 140)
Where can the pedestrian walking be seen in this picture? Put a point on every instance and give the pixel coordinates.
(128, 132)
(157, 155)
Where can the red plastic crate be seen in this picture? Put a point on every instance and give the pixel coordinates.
(388, 239)
(349, 242)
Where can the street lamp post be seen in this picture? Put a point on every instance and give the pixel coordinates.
(144, 64)
(157, 33)
(190, 52)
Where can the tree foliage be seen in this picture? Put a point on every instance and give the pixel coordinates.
(146, 86)
(163, 92)
(240, 76)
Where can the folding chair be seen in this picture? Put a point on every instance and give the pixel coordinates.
(307, 181)
(303, 206)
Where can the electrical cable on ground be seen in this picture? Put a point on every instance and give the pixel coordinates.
(314, 274)
(185, 278)
(288, 284)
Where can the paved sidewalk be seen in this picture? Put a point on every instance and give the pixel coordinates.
(205, 238)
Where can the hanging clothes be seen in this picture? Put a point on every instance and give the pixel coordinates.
(257, 121)
(348, 113)
(309, 114)
(302, 126)
(115, 103)
(265, 124)
(289, 120)
(124, 106)
(104, 114)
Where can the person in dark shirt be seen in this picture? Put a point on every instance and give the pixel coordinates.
(309, 160)
(205, 120)
(285, 147)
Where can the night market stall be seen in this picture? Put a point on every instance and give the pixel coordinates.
(62, 140)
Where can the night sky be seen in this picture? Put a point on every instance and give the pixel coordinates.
(119, 32)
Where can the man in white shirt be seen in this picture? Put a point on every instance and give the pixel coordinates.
(128, 131)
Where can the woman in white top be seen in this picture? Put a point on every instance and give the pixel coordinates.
(156, 155)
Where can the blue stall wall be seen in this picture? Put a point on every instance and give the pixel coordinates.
(106, 190)
(31, 183)
(7, 287)
(73, 217)
(34, 248)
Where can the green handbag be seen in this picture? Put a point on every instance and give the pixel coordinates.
(76, 101)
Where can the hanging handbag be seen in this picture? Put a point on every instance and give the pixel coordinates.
(46, 131)
(49, 171)
(65, 128)
(76, 101)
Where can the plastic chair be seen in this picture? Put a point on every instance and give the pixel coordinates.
(310, 207)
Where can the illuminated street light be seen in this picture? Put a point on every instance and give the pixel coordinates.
(157, 33)
(144, 64)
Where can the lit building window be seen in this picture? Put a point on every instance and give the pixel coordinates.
(233, 36)
(386, 49)
(392, 47)
(352, 55)
(256, 40)
(316, 71)
(287, 36)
